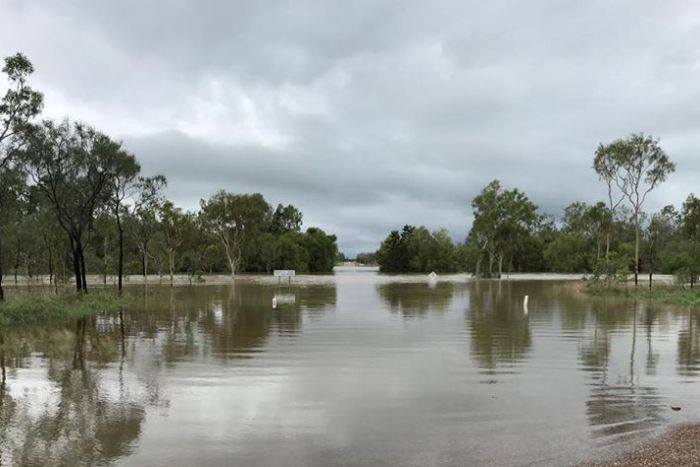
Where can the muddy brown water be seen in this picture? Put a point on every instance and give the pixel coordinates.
(350, 369)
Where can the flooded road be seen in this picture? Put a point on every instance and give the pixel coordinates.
(351, 369)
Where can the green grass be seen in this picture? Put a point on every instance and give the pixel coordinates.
(662, 293)
(40, 307)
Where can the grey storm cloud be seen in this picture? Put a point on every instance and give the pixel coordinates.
(369, 115)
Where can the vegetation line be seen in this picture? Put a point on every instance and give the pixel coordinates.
(38, 308)
(666, 294)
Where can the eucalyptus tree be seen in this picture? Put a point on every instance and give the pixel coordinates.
(589, 221)
(73, 165)
(636, 165)
(690, 219)
(124, 185)
(172, 221)
(12, 188)
(19, 104)
(662, 228)
(198, 245)
(143, 196)
(502, 220)
(606, 167)
(135, 196)
(235, 219)
(286, 219)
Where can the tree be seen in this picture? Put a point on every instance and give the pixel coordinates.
(606, 167)
(172, 221)
(636, 165)
(138, 198)
(322, 250)
(18, 106)
(198, 247)
(73, 166)
(503, 219)
(12, 187)
(690, 219)
(286, 219)
(416, 249)
(141, 216)
(234, 220)
(660, 232)
(124, 183)
(392, 255)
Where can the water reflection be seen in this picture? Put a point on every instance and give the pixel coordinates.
(65, 413)
(225, 321)
(688, 346)
(216, 374)
(417, 299)
(498, 326)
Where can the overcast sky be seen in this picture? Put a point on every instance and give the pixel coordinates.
(368, 115)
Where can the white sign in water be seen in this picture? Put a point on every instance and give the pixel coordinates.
(284, 272)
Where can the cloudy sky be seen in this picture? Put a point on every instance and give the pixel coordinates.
(369, 115)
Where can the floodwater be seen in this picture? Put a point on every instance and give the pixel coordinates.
(351, 369)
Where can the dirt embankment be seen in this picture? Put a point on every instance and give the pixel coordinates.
(680, 446)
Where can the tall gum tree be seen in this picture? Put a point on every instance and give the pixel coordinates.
(502, 219)
(19, 104)
(73, 166)
(636, 165)
(234, 219)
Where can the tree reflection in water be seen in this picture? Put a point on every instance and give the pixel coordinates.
(230, 322)
(417, 299)
(688, 347)
(497, 324)
(82, 422)
(618, 406)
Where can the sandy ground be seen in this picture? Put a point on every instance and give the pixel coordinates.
(680, 446)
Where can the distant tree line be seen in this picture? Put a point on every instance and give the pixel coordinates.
(608, 239)
(73, 200)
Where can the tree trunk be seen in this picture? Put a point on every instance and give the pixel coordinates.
(171, 264)
(500, 267)
(636, 249)
(477, 271)
(17, 261)
(48, 247)
(105, 263)
(76, 269)
(120, 266)
(2, 292)
(3, 372)
(82, 268)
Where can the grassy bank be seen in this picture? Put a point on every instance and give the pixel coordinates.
(37, 308)
(661, 293)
